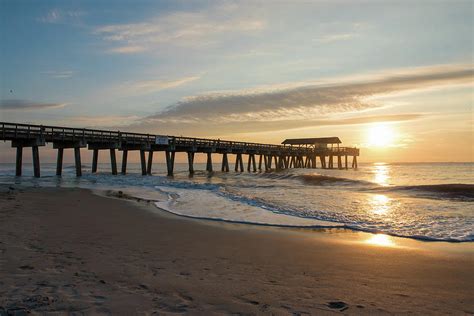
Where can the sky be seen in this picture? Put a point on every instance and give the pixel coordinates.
(394, 78)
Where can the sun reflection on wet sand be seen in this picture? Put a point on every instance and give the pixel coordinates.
(381, 174)
(381, 240)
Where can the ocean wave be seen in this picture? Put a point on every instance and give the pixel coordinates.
(458, 191)
(316, 179)
(202, 203)
(319, 179)
(321, 222)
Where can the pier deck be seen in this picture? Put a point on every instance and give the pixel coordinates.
(283, 156)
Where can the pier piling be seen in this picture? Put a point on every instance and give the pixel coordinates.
(191, 161)
(59, 162)
(150, 162)
(170, 162)
(209, 162)
(77, 159)
(19, 159)
(113, 161)
(124, 161)
(225, 163)
(36, 162)
(95, 159)
(143, 161)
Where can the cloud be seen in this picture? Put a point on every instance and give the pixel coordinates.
(329, 38)
(142, 87)
(311, 100)
(58, 16)
(102, 121)
(178, 28)
(59, 74)
(132, 49)
(149, 86)
(26, 105)
(219, 128)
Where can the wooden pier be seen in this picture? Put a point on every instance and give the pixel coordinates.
(299, 153)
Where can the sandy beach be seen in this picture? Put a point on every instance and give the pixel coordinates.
(72, 251)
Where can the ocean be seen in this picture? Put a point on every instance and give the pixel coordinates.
(428, 201)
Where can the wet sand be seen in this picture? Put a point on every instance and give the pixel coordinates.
(71, 251)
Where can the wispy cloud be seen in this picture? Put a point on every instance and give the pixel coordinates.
(131, 49)
(142, 87)
(329, 38)
(103, 120)
(59, 16)
(26, 105)
(149, 86)
(59, 74)
(178, 28)
(309, 100)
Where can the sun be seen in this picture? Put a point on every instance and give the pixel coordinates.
(381, 135)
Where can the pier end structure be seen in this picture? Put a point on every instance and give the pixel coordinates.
(292, 153)
(323, 147)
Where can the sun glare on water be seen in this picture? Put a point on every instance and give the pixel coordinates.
(381, 135)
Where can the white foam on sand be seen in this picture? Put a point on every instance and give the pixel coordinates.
(205, 204)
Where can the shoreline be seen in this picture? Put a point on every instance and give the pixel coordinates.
(151, 260)
(119, 195)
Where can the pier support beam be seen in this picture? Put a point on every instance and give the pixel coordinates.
(292, 162)
(124, 161)
(251, 165)
(77, 159)
(150, 162)
(95, 159)
(59, 162)
(260, 162)
(281, 164)
(345, 158)
(331, 162)
(36, 162)
(354, 162)
(323, 161)
(225, 163)
(209, 162)
(191, 162)
(239, 163)
(113, 161)
(19, 159)
(34, 143)
(170, 162)
(339, 162)
(143, 161)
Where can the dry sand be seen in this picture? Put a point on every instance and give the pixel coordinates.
(70, 251)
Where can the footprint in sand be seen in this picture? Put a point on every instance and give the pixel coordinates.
(338, 305)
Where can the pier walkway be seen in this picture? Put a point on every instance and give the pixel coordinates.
(270, 156)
